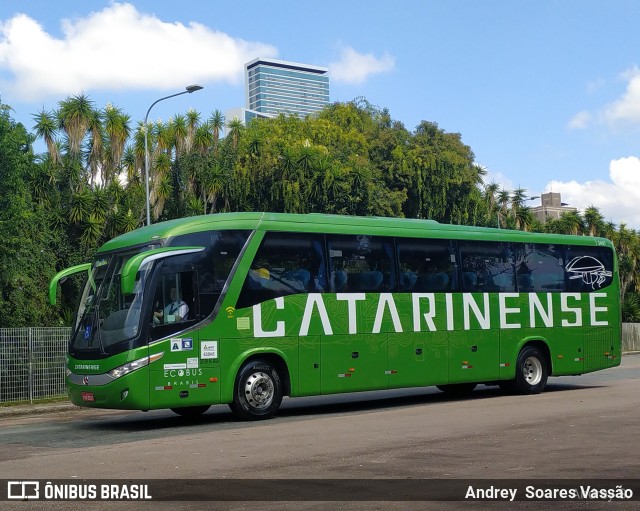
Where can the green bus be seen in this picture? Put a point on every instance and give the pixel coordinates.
(245, 308)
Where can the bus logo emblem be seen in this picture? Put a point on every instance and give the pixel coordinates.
(85, 380)
(589, 269)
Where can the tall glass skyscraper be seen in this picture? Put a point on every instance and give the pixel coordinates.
(274, 86)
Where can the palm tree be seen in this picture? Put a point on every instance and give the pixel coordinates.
(202, 139)
(489, 194)
(480, 172)
(117, 129)
(504, 199)
(96, 160)
(216, 122)
(235, 129)
(572, 223)
(74, 116)
(593, 220)
(180, 132)
(193, 121)
(47, 129)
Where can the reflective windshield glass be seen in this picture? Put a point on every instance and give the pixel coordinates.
(106, 317)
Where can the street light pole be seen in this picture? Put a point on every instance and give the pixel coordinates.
(188, 90)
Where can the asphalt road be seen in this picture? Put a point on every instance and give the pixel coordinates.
(580, 428)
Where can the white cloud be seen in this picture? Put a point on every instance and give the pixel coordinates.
(618, 199)
(626, 108)
(118, 48)
(579, 121)
(623, 111)
(354, 68)
(500, 179)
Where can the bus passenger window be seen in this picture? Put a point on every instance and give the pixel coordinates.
(360, 263)
(487, 266)
(285, 264)
(426, 265)
(588, 269)
(539, 268)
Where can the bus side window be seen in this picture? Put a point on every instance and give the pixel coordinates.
(588, 268)
(491, 264)
(285, 264)
(213, 265)
(539, 268)
(361, 263)
(426, 265)
(175, 306)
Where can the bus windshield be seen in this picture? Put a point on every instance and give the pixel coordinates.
(107, 317)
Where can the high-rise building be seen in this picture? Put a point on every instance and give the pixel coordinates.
(275, 87)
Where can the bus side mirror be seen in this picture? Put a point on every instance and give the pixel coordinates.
(61, 276)
(139, 261)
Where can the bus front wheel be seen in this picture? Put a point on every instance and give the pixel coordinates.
(258, 391)
(532, 372)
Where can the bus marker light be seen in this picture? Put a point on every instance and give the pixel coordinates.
(200, 385)
(579, 359)
(168, 387)
(213, 380)
(345, 375)
(607, 353)
(88, 396)
(560, 356)
(506, 364)
(352, 369)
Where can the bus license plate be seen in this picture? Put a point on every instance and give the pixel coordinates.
(88, 396)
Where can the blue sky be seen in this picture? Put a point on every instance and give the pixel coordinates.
(546, 93)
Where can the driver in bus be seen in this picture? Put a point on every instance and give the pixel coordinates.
(176, 310)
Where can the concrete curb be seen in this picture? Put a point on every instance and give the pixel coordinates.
(18, 410)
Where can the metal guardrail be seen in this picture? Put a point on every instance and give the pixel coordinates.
(32, 363)
(32, 360)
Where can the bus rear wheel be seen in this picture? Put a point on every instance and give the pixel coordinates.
(457, 389)
(532, 372)
(258, 391)
(191, 411)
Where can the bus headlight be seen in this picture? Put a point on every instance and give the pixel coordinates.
(129, 367)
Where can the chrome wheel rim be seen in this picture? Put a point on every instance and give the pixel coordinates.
(259, 390)
(532, 370)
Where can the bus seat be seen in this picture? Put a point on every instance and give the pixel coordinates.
(501, 281)
(339, 279)
(258, 279)
(550, 281)
(367, 281)
(434, 281)
(525, 282)
(408, 279)
(299, 279)
(440, 281)
(469, 281)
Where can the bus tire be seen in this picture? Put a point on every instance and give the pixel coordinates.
(457, 389)
(258, 391)
(532, 372)
(191, 411)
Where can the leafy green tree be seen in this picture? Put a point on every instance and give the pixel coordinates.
(25, 263)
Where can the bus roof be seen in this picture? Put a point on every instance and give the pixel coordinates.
(337, 224)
